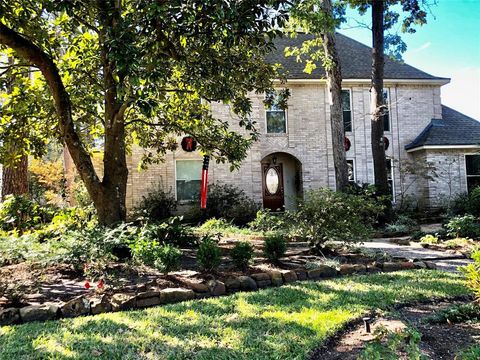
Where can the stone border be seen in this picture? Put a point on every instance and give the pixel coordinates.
(84, 305)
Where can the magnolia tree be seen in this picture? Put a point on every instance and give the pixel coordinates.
(133, 72)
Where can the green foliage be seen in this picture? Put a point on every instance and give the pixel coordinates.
(19, 213)
(274, 246)
(157, 205)
(209, 253)
(46, 181)
(465, 203)
(173, 231)
(464, 226)
(472, 272)
(242, 254)
(167, 258)
(266, 221)
(389, 345)
(457, 314)
(429, 239)
(227, 202)
(472, 353)
(473, 204)
(325, 215)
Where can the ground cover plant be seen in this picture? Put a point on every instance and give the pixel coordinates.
(275, 323)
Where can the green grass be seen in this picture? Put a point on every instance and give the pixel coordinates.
(275, 323)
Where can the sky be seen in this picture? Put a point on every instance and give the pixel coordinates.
(447, 46)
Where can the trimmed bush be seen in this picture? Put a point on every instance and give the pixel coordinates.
(274, 247)
(209, 254)
(242, 254)
(167, 258)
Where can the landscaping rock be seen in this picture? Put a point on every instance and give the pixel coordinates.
(346, 269)
(39, 312)
(100, 305)
(199, 287)
(202, 295)
(76, 307)
(430, 265)
(314, 274)
(123, 302)
(264, 283)
(372, 268)
(260, 277)
(148, 298)
(173, 295)
(407, 265)
(327, 271)
(419, 265)
(289, 276)
(217, 288)
(247, 283)
(232, 284)
(391, 266)
(301, 274)
(276, 278)
(9, 316)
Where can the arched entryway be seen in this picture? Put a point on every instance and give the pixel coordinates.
(281, 181)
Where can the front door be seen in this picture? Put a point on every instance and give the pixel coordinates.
(272, 184)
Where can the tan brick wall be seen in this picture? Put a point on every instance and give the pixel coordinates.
(308, 139)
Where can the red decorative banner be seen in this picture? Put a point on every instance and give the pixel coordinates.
(204, 185)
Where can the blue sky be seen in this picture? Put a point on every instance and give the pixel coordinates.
(447, 46)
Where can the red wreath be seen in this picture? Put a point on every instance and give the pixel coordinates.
(386, 142)
(347, 143)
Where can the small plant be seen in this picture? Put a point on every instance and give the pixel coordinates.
(274, 247)
(429, 240)
(209, 254)
(403, 224)
(157, 205)
(174, 232)
(18, 212)
(457, 314)
(167, 258)
(242, 254)
(464, 226)
(312, 265)
(267, 221)
(472, 272)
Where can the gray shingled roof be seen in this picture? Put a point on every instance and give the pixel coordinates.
(454, 129)
(355, 59)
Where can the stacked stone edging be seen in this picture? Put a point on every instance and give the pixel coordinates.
(82, 305)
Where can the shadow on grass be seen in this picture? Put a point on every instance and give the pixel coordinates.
(275, 323)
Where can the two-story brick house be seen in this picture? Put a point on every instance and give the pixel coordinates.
(294, 151)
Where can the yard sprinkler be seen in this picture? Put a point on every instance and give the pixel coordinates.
(204, 187)
(366, 322)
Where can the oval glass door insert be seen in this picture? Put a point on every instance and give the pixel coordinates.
(272, 181)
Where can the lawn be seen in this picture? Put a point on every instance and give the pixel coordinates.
(276, 323)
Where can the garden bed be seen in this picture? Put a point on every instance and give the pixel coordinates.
(58, 291)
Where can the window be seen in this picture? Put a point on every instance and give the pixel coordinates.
(390, 177)
(351, 170)
(347, 110)
(276, 116)
(472, 163)
(189, 176)
(386, 116)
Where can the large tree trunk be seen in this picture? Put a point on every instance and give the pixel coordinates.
(334, 86)
(378, 62)
(15, 177)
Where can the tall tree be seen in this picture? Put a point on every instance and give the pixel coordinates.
(384, 16)
(135, 73)
(317, 17)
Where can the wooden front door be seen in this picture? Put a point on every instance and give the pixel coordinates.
(272, 185)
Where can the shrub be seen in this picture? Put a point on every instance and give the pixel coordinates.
(463, 226)
(167, 258)
(465, 203)
(457, 314)
(242, 254)
(472, 272)
(325, 215)
(215, 226)
(266, 221)
(274, 247)
(156, 205)
(209, 254)
(174, 232)
(429, 239)
(403, 224)
(473, 204)
(227, 202)
(46, 181)
(18, 212)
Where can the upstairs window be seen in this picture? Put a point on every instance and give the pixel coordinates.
(188, 179)
(276, 116)
(472, 163)
(386, 116)
(347, 110)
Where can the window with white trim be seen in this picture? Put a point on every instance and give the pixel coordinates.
(188, 179)
(386, 115)
(276, 116)
(351, 170)
(472, 164)
(347, 110)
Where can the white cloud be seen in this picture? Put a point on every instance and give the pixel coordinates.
(463, 92)
(423, 47)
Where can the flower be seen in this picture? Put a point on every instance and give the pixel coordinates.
(100, 284)
(87, 285)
